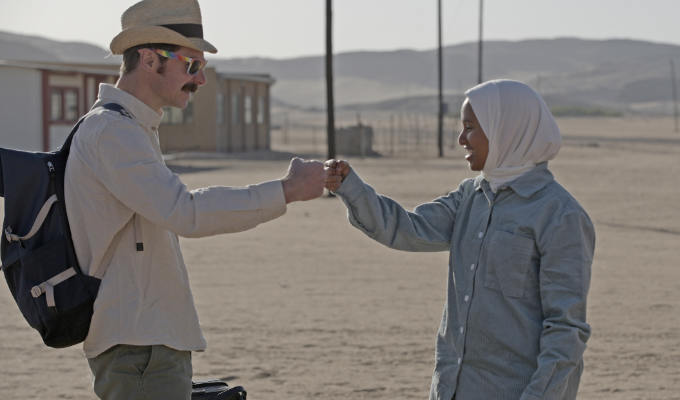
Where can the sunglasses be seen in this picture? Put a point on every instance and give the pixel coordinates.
(193, 65)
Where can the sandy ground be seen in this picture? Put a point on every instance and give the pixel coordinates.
(307, 307)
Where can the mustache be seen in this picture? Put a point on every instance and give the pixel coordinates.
(190, 87)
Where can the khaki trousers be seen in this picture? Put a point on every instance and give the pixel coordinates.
(126, 372)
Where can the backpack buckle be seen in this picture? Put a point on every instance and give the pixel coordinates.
(8, 234)
(36, 291)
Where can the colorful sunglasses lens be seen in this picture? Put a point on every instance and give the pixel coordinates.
(194, 67)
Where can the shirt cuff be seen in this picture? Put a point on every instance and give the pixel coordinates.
(271, 198)
(352, 187)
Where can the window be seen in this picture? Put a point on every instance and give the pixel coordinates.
(188, 113)
(248, 110)
(55, 109)
(63, 104)
(220, 109)
(70, 105)
(260, 110)
(178, 116)
(235, 109)
(171, 116)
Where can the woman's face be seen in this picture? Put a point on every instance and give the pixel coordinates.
(472, 138)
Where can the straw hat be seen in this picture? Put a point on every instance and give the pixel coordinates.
(162, 21)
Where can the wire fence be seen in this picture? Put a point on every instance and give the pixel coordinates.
(394, 135)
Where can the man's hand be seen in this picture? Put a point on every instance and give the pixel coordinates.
(336, 171)
(304, 181)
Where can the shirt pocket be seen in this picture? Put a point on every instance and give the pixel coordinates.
(509, 259)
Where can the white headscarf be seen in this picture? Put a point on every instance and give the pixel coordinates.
(521, 130)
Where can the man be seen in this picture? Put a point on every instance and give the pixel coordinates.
(130, 207)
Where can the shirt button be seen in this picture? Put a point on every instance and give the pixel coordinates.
(461, 330)
(480, 235)
(466, 298)
(459, 361)
(472, 267)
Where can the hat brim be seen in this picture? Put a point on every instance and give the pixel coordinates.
(156, 34)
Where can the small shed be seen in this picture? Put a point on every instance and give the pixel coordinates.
(355, 140)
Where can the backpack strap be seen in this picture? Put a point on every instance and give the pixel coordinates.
(42, 214)
(45, 209)
(117, 107)
(108, 106)
(47, 287)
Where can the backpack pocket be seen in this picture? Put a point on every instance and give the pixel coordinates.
(53, 295)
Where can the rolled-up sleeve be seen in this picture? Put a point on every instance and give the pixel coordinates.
(128, 166)
(564, 278)
(427, 228)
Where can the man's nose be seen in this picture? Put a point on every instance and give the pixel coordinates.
(200, 78)
(462, 140)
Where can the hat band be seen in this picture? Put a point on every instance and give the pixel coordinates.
(188, 30)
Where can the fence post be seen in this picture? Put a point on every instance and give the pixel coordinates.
(314, 132)
(400, 128)
(285, 130)
(391, 134)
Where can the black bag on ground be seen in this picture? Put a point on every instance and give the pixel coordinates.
(216, 390)
(38, 257)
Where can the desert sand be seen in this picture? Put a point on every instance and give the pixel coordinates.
(307, 307)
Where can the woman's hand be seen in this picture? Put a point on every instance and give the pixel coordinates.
(336, 171)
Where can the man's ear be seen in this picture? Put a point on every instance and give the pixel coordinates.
(148, 59)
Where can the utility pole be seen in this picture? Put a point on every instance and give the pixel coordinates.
(479, 45)
(330, 108)
(675, 95)
(440, 119)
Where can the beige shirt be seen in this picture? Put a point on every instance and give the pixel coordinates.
(119, 192)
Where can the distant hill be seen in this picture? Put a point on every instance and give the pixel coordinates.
(35, 48)
(621, 75)
(625, 75)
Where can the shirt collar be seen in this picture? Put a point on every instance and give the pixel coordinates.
(145, 115)
(527, 184)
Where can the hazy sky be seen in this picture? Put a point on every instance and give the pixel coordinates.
(287, 28)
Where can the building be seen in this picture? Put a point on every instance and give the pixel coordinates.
(41, 101)
(230, 113)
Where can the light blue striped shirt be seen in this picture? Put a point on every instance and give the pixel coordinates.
(514, 323)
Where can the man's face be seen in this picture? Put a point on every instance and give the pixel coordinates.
(175, 85)
(472, 138)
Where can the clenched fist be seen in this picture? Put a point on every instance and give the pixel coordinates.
(305, 180)
(336, 171)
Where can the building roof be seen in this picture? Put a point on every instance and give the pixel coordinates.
(113, 69)
(263, 78)
(102, 69)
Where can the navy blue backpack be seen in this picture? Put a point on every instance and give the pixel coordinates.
(38, 257)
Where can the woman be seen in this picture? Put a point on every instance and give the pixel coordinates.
(514, 324)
